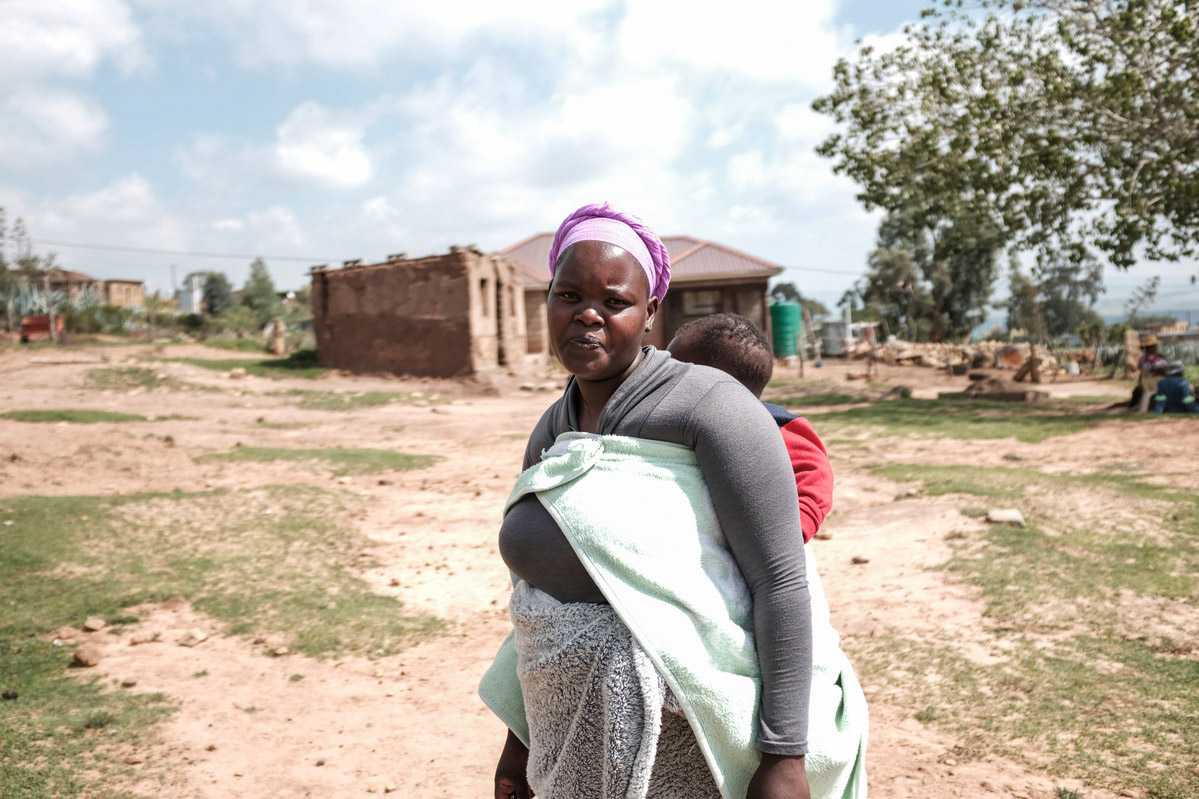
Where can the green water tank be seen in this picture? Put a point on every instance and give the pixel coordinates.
(785, 325)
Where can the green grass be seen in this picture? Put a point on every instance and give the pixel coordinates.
(818, 400)
(233, 343)
(128, 378)
(343, 460)
(968, 420)
(282, 573)
(1074, 671)
(348, 401)
(1092, 399)
(940, 480)
(72, 415)
(300, 364)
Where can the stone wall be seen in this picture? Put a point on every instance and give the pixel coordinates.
(450, 315)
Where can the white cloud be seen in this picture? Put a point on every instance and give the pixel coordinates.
(357, 34)
(127, 199)
(228, 224)
(125, 211)
(277, 226)
(747, 171)
(40, 126)
(767, 41)
(311, 144)
(66, 37)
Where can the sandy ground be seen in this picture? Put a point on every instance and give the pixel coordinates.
(411, 723)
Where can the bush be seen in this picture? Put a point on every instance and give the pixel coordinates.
(99, 319)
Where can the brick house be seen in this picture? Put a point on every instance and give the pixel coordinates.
(452, 315)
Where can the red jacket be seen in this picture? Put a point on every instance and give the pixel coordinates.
(809, 461)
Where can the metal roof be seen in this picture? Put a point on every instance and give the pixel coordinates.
(690, 259)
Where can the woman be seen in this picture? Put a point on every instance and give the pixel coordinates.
(609, 274)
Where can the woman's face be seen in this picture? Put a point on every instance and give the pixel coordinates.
(598, 309)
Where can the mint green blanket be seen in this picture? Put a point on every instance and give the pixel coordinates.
(639, 517)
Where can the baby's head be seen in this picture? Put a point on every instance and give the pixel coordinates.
(727, 342)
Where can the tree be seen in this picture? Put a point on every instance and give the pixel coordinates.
(787, 292)
(259, 292)
(21, 271)
(1024, 306)
(1056, 300)
(1141, 299)
(931, 277)
(1066, 124)
(1067, 293)
(218, 293)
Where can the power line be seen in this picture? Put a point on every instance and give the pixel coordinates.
(185, 253)
(824, 271)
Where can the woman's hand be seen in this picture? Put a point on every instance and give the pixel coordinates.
(779, 777)
(510, 779)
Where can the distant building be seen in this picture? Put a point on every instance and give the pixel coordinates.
(191, 296)
(79, 287)
(451, 315)
(76, 285)
(706, 278)
(124, 293)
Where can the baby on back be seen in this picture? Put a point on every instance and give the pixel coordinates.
(734, 345)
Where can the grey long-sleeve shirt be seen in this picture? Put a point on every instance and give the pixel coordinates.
(745, 465)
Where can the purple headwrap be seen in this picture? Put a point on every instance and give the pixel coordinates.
(600, 222)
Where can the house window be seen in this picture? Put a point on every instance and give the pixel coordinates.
(701, 303)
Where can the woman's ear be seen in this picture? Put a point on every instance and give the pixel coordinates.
(651, 312)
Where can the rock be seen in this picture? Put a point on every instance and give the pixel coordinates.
(343, 481)
(128, 683)
(9, 694)
(66, 633)
(87, 655)
(94, 624)
(192, 637)
(823, 535)
(390, 788)
(134, 760)
(237, 373)
(144, 637)
(858, 559)
(528, 386)
(278, 336)
(1006, 516)
(280, 651)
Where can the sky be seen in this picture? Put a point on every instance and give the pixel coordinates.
(314, 131)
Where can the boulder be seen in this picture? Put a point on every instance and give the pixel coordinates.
(87, 655)
(1006, 516)
(193, 637)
